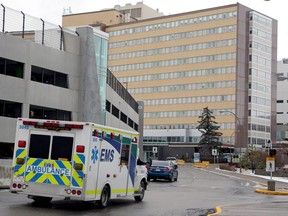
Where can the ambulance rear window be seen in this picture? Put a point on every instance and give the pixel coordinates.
(39, 146)
(62, 148)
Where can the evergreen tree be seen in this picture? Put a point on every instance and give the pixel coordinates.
(210, 136)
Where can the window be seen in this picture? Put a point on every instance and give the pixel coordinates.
(62, 148)
(108, 106)
(11, 68)
(280, 101)
(10, 109)
(39, 146)
(123, 118)
(115, 111)
(49, 113)
(49, 77)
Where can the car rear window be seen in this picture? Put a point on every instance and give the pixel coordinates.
(160, 163)
(62, 148)
(39, 146)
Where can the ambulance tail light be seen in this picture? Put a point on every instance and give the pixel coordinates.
(78, 166)
(95, 133)
(29, 123)
(74, 126)
(22, 144)
(80, 149)
(112, 136)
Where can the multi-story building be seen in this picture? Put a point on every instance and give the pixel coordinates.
(223, 58)
(61, 75)
(282, 101)
(118, 14)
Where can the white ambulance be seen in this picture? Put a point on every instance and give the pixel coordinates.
(76, 160)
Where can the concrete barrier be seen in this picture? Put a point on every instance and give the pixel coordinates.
(5, 173)
(202, 164)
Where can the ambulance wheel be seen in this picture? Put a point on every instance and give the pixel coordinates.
(140, 197)
(105, 196)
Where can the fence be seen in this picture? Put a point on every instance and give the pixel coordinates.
(31, 28)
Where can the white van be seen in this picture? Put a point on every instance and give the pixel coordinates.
(76, 160)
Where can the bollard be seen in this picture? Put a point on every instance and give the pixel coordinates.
(271, 185)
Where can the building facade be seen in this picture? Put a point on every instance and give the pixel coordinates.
(71, 82)
(282, 102)
(223, 58)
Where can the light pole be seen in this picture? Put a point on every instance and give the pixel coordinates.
(238, 125)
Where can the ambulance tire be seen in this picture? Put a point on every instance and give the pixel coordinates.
(141, 196)
(41, 200)
(105, 196)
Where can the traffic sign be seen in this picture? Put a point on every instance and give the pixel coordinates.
(270, 164)
(214, 152)
(154, 150)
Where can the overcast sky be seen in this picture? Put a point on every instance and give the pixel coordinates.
(52, 10)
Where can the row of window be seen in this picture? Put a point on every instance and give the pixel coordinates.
(260, 87)
(259, 73)
(11, 68)
(259, 114)
(175, 62)
(120, 115)
(172, 37)
(174, 114)
(175, 75)
(184, 87)
(281, 101)
(260, 100)
(10, 109)
(256, 141)
(281, 113)
(14, 110)
(260, 60)
(260, 33)
(262, 128)
(113, 82)
(260, 47)
(189, 100)
(173, 49)
(38, 112)
(256, 17)
(162, 139)
(49, 77)
(223, 126)
(173, 24)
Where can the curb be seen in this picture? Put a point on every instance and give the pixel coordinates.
(218, 210)
(271, 192)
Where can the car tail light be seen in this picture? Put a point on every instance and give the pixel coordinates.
(79, 192)
(166, 169)
(21, 143)
(14, 185)
(80, 149)
(19, 186)
(148, 168)
(73, 192)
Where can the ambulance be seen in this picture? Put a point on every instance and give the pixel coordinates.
(76, 160)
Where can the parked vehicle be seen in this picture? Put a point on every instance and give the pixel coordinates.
(173, 159)
(76, 160)
(162, 170)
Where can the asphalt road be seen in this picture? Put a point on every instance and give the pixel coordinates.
(196, 193)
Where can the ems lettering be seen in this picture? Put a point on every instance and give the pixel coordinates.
(107, 155)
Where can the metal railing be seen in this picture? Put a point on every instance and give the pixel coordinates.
(32, 28)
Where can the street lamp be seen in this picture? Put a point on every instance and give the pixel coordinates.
(238, 125)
